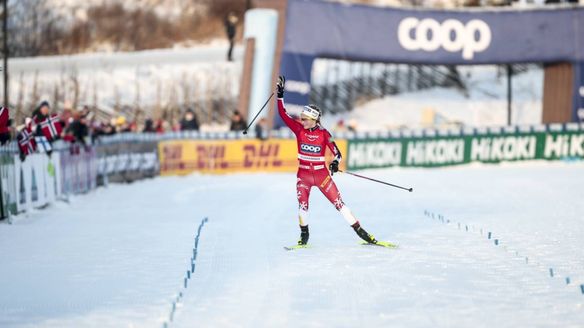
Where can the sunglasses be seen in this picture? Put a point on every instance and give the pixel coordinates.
(306, 119)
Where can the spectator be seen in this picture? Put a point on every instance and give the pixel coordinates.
(78, 129)
(109, 128)
(149, 126)
(189, 121)
(160, 126)
(97, 130)
(352, 125)
(41, 112)
(230, 28)
(261, 129)
(237, 122)
(340, 127)
(122, 125)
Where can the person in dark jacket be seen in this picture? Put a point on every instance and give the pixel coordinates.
(237, 122)
(41, 112)
(189, 121)
(149, 126)
(39, 115)
(261, 129)
(78, 129)
(230, 29)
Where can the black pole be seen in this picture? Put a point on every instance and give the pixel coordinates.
(5, 46)
(250, 123)
(378, 181)
(5, 70)
(509, 93)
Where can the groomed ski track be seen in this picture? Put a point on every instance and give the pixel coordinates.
(118, 257)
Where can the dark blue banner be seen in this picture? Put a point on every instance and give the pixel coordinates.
(297, 69)
(578, 113)
(363, 33)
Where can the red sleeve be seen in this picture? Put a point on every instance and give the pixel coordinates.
(330, 143)
(290, 122)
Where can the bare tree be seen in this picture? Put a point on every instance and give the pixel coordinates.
(74, 78)
(20, 100)
(95, 97)
(34, 95)
(32, 27)
(56, 94)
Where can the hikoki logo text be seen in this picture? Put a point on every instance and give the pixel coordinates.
(310, 148)
(452, 35)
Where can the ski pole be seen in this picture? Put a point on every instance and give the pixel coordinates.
(245, 131)
(385, 183)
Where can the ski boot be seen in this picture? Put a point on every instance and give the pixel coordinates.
(363, 234)
(303, 235)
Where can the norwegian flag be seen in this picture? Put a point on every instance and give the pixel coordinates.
(26, 141)
(4, 119)
(51, 127)
(4, 131)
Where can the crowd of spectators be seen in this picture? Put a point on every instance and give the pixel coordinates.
(82, 127)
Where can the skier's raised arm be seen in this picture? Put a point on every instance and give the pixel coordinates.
(288, 120)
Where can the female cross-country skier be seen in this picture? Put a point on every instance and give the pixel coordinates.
(312, 140)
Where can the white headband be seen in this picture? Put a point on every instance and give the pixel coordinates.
(311, 113)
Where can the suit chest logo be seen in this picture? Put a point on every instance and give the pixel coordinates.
(315, 149)
(312, 137)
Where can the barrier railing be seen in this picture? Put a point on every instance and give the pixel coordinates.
(41, 179)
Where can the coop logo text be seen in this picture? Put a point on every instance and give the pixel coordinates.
(452, 35)
(310, 148)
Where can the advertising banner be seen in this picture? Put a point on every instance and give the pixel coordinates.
(399, 35)
(127, 161)
(419, 36)
(434, 151)
(179, 157)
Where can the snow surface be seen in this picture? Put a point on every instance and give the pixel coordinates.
(484, 105)
(117, 257)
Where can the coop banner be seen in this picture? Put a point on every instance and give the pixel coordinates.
(365, 33)
(334, 30)
(464, 149)
(179, 157)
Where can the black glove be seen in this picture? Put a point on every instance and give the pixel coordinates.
(334, 167)
(280, 86)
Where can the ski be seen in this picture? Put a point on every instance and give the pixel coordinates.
(291, 248)
(379, 243)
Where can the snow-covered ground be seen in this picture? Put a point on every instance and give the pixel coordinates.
(485, 104)
(117, 257)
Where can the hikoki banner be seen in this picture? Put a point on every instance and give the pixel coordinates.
(434, 149)
(180, 157)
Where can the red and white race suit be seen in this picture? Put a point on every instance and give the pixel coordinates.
(312, 169)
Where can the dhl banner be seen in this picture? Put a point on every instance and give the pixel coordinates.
(180, 157)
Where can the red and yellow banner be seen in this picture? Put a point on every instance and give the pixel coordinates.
(179, 157)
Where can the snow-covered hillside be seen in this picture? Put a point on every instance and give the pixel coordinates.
(144, 77)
